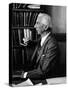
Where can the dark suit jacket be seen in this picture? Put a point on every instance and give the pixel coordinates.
(46, 60)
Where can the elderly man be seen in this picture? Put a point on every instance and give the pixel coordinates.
(46, 54)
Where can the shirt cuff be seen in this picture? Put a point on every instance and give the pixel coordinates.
(25, 74)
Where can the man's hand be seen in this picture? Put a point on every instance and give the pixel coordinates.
(23, 75)
(25, 40)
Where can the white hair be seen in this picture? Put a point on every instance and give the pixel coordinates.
(45, 19)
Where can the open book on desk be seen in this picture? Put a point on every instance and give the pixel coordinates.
(25, 83)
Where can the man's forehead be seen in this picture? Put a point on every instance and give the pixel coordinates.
(42, 19)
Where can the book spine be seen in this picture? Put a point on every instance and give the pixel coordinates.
(14, 41)
(19, 34)
(24, 19)
(14, 59)
(22, 57)
(17, 19)
(30, 18)
(21, 19)
(30, 35)
(35, 16)
(14, 19)
(25, 33)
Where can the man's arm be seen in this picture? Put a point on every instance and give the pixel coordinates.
(35, 74)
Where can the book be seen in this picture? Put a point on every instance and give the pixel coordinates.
(15, 38)
(13, 19)
(29, 16)
(35, 14)
(21, 19)
(30, 34)
(20, 35)
(35, 17)
(17, 19)
(27, 34)
(26, 18)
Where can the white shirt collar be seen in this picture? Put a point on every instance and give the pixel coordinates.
(44, 38)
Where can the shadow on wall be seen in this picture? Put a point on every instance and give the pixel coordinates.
(61, 39)
(62, 47)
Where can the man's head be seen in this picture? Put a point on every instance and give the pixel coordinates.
(43, 22)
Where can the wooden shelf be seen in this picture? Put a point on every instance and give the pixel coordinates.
(23, 27)
(28, 10)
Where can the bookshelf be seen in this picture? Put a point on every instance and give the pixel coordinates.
(21, 24)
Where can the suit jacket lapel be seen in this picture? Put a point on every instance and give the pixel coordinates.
(41, 51)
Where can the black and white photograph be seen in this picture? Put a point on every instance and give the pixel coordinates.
(37, 44)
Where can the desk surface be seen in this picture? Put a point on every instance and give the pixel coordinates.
(50, 81)
(59, 80)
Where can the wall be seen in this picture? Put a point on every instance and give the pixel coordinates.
(59, 19)
(59, 28)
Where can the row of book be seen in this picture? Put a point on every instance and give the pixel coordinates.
(25, 6)
(19, 34)
(20, 19)
(18, 6)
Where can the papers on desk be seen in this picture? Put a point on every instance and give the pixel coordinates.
(59, 80)
(25, 83)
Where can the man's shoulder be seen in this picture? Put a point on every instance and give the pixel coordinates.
(52, 40)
